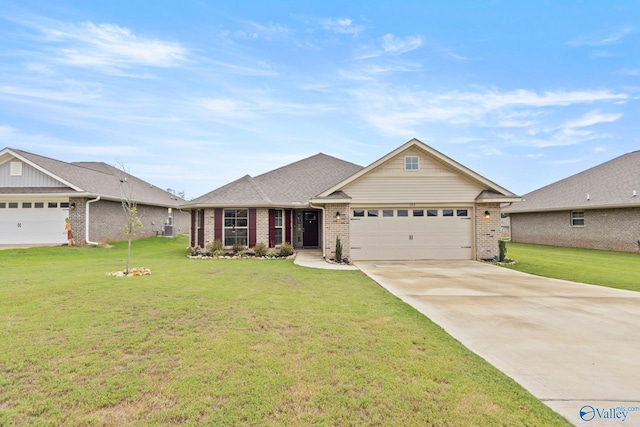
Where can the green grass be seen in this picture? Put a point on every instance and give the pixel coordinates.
(596, 267)
(229, 342)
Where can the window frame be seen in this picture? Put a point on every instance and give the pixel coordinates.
(278, 221)
(235, 224)
(575, 220)
(409, 165)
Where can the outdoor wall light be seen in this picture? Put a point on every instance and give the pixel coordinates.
(72, 205)
(487, 214)
(337, 216)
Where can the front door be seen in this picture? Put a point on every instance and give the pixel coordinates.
(310, 229)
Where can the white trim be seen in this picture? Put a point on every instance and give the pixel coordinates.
(41, 169)
(419, 144)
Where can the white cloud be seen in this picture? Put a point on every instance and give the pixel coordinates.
(394, 45)
(398, 111)
(341, 25)
(107, 47)
(591, 118)
(601, 39)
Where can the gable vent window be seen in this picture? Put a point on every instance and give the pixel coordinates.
(577, 219)
(411, 163)
(16, 169)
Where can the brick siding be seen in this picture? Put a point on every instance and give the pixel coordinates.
(336, 228)
(107, 218)
(608, 229)
(487, 230)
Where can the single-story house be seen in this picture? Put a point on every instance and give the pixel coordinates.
(598, 208)
(413, 203)
(38, 193)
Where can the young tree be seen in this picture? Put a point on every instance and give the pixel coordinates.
(130, 207)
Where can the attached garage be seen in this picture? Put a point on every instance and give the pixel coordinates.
(411, 234)
(33, 222)
(413, 204)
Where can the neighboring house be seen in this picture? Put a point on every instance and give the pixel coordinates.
(37, 194)
(413, 203)
(598, 208)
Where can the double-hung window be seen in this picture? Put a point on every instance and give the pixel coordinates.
(236, 226)
(577, 218)
(279, 226)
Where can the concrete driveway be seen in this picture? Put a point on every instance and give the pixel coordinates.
(574, 346)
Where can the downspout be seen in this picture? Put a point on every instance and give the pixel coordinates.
(86, 222)
(324, 236)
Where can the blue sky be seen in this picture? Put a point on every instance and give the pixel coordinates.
(191, 95)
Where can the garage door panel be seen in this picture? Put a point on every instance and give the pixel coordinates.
(411, 237)
(32, 225)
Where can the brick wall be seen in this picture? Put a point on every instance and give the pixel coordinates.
(609, 229)
(107, 218)
(336, 228)
(487, 230)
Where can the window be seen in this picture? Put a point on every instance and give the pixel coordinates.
(411, 163)
(38, 205)
(358, 213)
(279, 224)
(418, 212)
(236, 226)
(372, 213)
(3, 205)
(26, 205)
(432, 212)
(403, 212)
(13, 205)
(461, 212)
(387, 212)
(64, 204)
(16, 169)
(52, 205)
(577, 219)
(447, 212)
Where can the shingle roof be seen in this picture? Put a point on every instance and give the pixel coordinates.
(610, 184)
(293, 184)
(100, 179)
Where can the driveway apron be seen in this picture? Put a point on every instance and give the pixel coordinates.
(575, 347)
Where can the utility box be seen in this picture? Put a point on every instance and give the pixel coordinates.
(168, 230)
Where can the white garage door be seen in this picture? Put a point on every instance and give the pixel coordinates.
(406, 234)
(33, 222)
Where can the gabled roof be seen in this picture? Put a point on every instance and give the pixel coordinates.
(496, 191)
(91, 179)
(609, 185)
(291, 185)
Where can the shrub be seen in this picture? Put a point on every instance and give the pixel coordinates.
(238, 247)
(215, 246)
(503, 250)
(194, 250)
(338, 249)
(260, 249)
(285, 250)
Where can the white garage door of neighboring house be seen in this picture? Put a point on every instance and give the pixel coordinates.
(406, 234)
(33, 222)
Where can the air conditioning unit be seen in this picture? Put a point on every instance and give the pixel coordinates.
(168, 230)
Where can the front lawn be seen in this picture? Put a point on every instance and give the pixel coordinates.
(229, 342)
(596, 267)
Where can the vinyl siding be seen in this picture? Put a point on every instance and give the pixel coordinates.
(31, 177)
(433, 183)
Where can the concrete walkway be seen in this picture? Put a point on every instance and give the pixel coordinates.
(313, 258)
(576, 347)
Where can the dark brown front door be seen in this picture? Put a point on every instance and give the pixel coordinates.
(310, 229)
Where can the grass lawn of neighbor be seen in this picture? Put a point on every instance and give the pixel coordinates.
(229, 342)
(596, 267)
